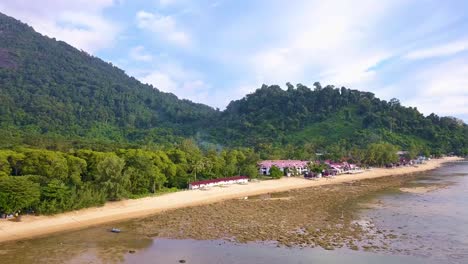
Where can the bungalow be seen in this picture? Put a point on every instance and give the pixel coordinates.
(214, 182)
(338, 168)
(289, 167)
(343, 167)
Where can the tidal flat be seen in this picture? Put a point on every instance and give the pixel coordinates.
(322, 216)
(333, 222)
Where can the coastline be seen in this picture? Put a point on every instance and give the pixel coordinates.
(33, 226)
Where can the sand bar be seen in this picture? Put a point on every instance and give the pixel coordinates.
(32, 226)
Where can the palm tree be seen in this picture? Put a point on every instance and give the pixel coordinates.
(198, 166)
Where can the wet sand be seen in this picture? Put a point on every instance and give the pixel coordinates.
(367, 221)
(321, 216)
(32, 226)
(421, 189)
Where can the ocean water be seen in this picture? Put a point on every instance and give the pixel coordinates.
(432, 225)
(429, 227)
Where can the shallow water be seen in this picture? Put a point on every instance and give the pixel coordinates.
(193, 251)
(432, 225)
(425, 228)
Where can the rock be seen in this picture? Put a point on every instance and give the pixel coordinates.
(131, 251)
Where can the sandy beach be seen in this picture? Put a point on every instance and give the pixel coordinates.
(32, 226)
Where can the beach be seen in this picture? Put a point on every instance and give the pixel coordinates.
(33, 226)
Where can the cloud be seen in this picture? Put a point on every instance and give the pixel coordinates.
(439, 51)
(440, 88)
(344, 43)
(163, 81)
(79, 23)
(138, 53)
(326, 41)
(171, 77)
(165, 27)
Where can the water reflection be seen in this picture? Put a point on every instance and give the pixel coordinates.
(221, 252)
(94, 245)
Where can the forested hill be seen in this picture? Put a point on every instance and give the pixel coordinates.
(334, 120)
(47, 87)
(53, 94)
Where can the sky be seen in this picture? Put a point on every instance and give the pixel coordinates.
(215, 51)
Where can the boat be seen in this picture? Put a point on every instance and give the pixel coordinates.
(115, 230)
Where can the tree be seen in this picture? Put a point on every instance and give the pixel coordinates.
(111, 178)
(381, 153)
(413, 151)
(275, 172)
(76, 168)
(5, 168)
(55, 197)
(317, 167)
(16, 162)
(251, 171)
(140, 169)
(198, 166)
(46, 163)
(317, 86)
(17, 193)
(394, 102)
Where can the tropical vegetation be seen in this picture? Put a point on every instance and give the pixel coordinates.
(77, 131)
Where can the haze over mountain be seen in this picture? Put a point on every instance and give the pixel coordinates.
(50, 90)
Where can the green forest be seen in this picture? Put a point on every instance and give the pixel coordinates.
(77, 131)
(47, 182)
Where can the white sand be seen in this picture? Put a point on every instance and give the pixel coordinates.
(32, 226)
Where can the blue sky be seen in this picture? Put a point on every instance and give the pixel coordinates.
(214, 51)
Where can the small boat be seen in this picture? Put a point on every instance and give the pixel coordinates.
(115, 230)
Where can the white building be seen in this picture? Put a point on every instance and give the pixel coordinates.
(221, 181)
(298, 166)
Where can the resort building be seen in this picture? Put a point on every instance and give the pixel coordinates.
(289, 167)
(342, 167)
(221, 181)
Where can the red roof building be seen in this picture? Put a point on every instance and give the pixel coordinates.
(220, 181)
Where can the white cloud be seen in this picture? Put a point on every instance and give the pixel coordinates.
(439, 51)
(164, 26)
(138, 53)
(344, 43)
(79, 23)
(326, 41)
(160, 80)
(440, 88)
(444, 106)
(172, 77)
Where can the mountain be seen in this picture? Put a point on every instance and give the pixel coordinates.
(49, 87)
(52, 93)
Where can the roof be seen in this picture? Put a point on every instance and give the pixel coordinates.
(283, 163)
(219, 180)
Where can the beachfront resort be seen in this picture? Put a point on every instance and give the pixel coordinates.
(303, 168)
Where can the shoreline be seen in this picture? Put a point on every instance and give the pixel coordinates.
(34, 226)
